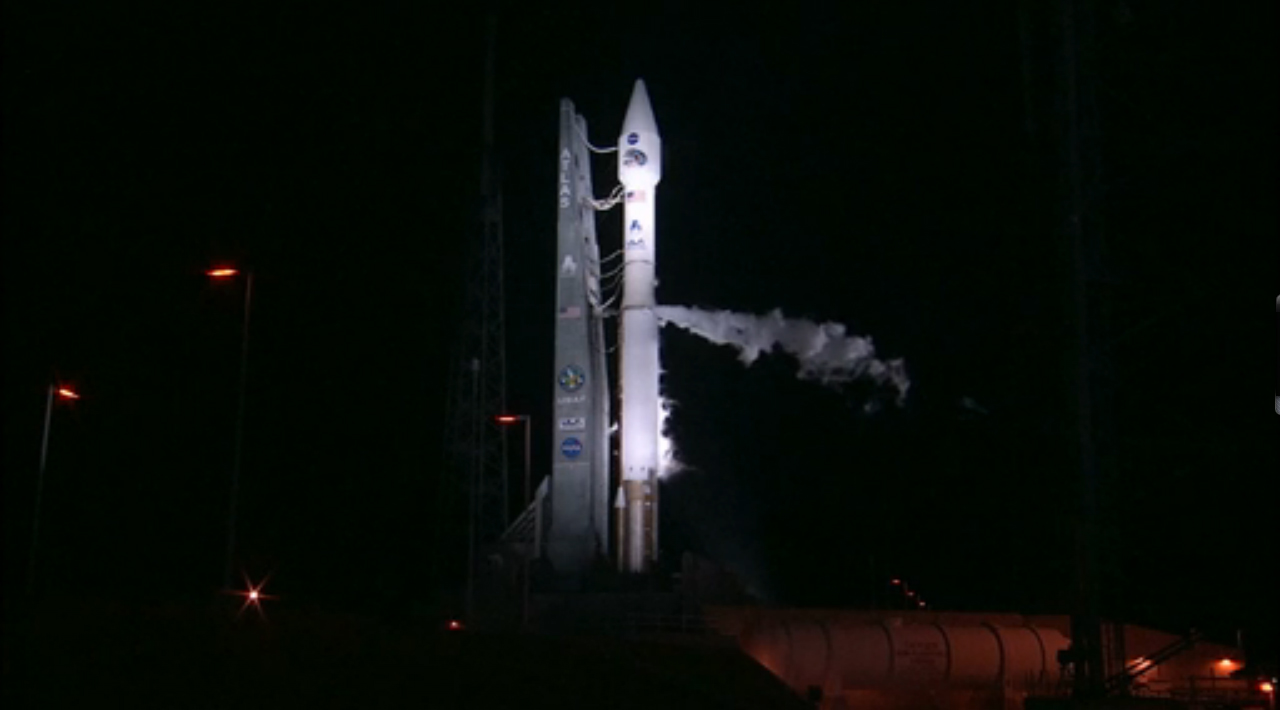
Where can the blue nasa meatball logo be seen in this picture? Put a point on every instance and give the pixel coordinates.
(571, 448)
(633, 138)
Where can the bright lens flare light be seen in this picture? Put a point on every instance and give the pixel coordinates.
(65, 393)
(253, 595)
(221, 273)
(1266, 687)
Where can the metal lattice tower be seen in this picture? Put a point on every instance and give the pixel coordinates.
(1082, 221)
(1061, 52)
(474, 479)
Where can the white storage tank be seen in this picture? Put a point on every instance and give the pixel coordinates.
(836, 656)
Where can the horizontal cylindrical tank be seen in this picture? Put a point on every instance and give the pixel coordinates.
(837, 656)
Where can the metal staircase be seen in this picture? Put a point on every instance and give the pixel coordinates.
(1120, 683)
(527, 531)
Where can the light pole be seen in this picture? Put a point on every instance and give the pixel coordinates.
(524, 418)
(528, 425)
(226, 273)
(64, 393)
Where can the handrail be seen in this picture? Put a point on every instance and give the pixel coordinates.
(642, 622)
(521, 529)
(1132, 671)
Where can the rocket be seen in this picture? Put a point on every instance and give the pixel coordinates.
(579, 521)
(639, 171)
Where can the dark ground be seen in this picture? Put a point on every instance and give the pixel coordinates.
(67, 654)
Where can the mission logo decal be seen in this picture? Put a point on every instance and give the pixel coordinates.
(572, 378)
(634, 158)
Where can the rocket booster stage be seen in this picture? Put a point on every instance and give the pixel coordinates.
(639, 171)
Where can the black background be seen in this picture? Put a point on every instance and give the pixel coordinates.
(886, 165)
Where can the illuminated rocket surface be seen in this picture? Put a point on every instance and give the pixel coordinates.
(639, 171)
(826, 353)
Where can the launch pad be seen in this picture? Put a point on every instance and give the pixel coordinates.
(580, 560)
(587, 528)
(583, 489)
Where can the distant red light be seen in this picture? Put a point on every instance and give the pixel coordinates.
(1226, 663)
(921, 605)
(508, 419)
(253, 595)
(67, 394)
(1266, 687)
(455, 625)
(221, 273)
(895, 581)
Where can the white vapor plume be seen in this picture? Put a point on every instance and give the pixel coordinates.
(667, 461)
(825, 351)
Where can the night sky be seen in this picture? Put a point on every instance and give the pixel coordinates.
(890, 166)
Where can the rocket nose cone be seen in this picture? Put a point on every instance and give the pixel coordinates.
(639, 112)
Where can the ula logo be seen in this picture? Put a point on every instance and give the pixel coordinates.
(573, 424)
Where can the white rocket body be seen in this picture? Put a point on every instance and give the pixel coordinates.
(639, 171)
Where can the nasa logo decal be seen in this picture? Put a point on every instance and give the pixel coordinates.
(632, 139)
(634, 158)
(572, 378)
(571, 448)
